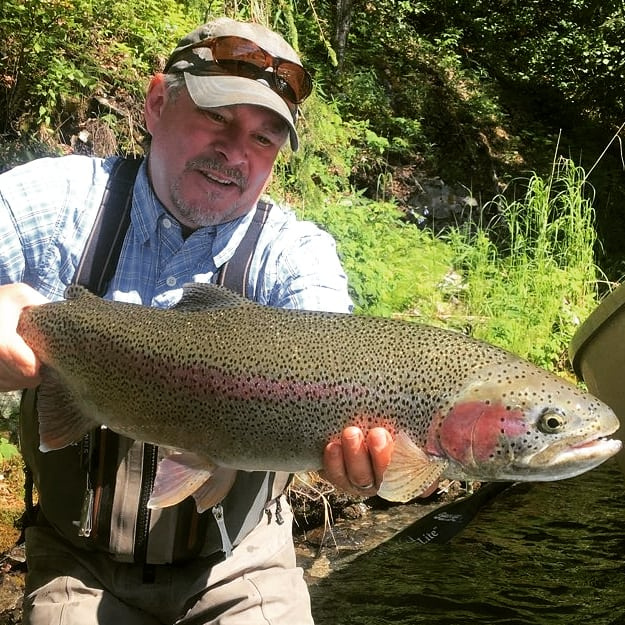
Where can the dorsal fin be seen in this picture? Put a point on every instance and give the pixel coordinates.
(199, 296)
(75, 291)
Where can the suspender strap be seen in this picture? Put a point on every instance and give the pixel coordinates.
(234, 275)
(101, 254)
(103, 247)
(245, 503)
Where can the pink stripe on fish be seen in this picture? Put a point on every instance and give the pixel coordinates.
(247, 387)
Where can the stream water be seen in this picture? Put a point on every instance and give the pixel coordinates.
(539, 554)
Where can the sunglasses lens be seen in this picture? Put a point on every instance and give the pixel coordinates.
(244, 58)
(295, 80)
(238, 49)
(241, 68)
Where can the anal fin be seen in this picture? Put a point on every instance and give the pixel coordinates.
(183, 474)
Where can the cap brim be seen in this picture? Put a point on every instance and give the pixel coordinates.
(212, 91)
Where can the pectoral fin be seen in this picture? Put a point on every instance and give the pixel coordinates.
(411, 471)
(183, 474)
(61, 422)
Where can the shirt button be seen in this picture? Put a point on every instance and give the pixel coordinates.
(171, 281)
(166, 223)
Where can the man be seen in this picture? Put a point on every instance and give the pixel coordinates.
(218, 116)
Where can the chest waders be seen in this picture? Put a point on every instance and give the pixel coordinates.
(95, 492)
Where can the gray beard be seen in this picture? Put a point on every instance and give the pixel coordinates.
(200, 216)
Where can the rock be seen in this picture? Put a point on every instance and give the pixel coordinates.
(438, 205)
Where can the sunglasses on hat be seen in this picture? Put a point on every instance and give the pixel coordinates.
(237, 56)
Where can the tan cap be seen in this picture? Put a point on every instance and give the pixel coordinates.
(210, 89)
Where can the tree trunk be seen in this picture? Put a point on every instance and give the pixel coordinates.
(344, 9)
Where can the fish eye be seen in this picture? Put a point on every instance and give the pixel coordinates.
(551, 421)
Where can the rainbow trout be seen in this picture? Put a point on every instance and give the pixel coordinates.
(231, 385)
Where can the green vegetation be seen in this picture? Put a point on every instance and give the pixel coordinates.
(62, 54)
(9, 412)
(531, 293)
(7, 449)
(524, 281)
(392, 266)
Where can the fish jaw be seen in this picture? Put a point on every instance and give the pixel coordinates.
(568, 460)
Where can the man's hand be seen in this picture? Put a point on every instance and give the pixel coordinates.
(356, 465)
(19, 367)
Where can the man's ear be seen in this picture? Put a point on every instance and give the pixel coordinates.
(154, 101)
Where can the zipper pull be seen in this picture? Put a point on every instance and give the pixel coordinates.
(218, 513)
(85, 525)
(279, 517)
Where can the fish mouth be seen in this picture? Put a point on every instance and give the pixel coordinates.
(600, 447)
(596, 447)
(570, 459)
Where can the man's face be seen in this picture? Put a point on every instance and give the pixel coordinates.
(209, 166)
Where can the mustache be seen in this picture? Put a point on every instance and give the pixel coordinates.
(216, 166)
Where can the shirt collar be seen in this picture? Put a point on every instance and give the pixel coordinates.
(148, 213)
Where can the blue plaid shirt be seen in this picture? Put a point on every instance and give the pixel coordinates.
(47, 210)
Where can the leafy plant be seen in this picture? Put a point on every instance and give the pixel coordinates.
(392, 265)
(7, 449)
(427, 78)
(323, 163)
(530, 292)
(61, 52)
